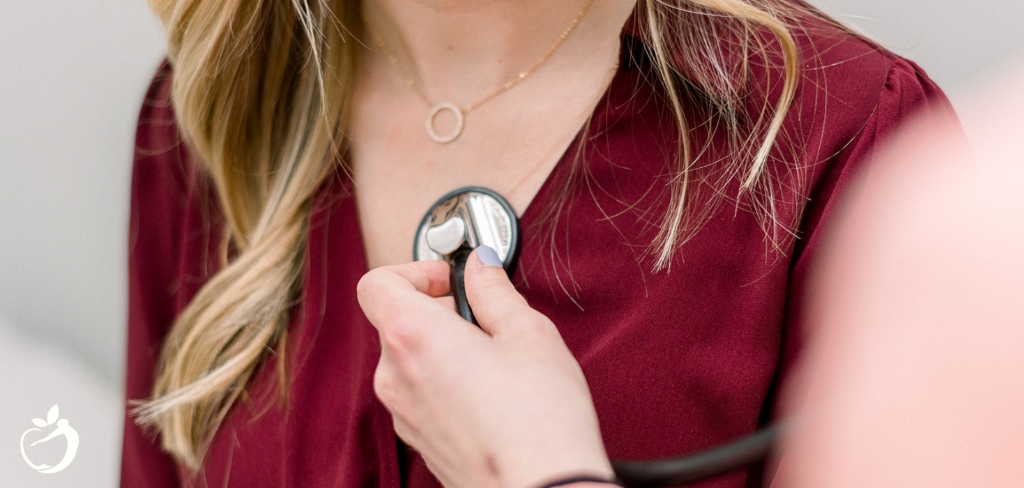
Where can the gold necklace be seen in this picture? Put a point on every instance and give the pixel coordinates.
(460, 112)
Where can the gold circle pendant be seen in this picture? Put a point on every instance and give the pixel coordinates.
(455, 132)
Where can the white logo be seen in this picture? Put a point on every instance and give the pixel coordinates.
(63, 429)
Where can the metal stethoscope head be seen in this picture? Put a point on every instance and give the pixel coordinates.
(463, 220)
(470, 217)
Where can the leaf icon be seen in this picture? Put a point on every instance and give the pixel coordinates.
(39, 422)
(51, 416)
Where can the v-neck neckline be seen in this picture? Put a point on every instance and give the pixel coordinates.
(560, 173)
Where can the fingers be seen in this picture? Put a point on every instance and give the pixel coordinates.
(403, 303)
(496, 303)
(427, 277)
(389, 288)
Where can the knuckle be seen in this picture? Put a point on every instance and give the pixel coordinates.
(537, 327)
(400, 336)
(384, 387)
(521, 322)
(402, 429)
(408, 351)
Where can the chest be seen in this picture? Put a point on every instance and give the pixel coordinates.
(510, 144)
(396, 184)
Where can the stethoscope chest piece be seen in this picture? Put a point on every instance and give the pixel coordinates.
(465, 219)
(460, 222)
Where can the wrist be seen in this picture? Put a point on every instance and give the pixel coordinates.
(592, 484)
(564, 464)
(588, 484)
(583, 481)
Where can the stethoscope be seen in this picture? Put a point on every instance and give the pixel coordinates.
(469, 217)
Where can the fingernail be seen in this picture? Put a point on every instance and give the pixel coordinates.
(488, 257)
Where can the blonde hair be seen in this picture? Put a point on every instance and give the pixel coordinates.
(262, 90)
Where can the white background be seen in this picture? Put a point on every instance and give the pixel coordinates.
(72, 76)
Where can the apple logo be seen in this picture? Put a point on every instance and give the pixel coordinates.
(63, 429)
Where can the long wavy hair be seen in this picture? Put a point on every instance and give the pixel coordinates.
(262, 91)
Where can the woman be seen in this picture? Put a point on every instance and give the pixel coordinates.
(671, 163)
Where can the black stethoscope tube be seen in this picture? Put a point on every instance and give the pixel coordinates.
(667, 472)
(457, 278)
(700, 466)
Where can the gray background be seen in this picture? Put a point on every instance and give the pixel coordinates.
(72, 76)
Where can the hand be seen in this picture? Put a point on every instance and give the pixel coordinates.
(503, 406)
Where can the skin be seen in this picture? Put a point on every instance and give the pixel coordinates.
(476, 402)
(461, 51)
(914, 379)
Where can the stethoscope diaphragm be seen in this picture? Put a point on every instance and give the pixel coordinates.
(461, 221)
(468, 218)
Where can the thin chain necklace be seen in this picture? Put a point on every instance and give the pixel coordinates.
(457, 111)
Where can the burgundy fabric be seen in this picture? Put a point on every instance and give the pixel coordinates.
(677, 361)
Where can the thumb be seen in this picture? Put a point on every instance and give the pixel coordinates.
(495, 302)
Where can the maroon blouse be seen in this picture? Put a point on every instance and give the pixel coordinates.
(677, 361)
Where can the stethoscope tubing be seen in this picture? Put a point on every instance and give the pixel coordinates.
(700, 466)
(457, 278)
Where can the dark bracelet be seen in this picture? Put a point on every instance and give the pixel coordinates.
(580, 479)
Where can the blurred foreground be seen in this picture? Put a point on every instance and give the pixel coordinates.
(916, 377)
